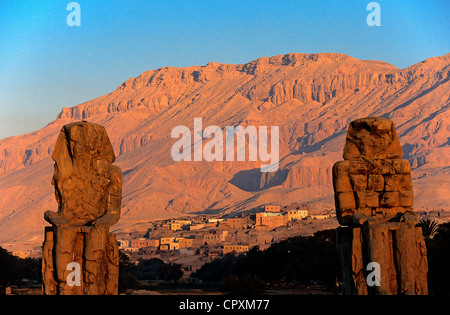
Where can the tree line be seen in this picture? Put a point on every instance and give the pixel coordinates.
(291, 262)
(286, 264)
(306, 259)
(14, 269)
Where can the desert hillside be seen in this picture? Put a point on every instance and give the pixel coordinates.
(311, 97)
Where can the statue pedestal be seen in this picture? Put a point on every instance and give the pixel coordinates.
(397, 247)
(80, 261)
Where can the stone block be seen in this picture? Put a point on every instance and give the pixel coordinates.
(385, 167)
(341, 168)
(365, 211)
(341, 180)
(345, 207)
(359, 182)
(346, 200)
(358, 167)
(342, 184)
(395, 166)
(392, 212)
(375, 183)
(392, 182)
(389, 199)
(379, 237)
(405, 182)
(366, 199)
(401, 166)
(406, 198)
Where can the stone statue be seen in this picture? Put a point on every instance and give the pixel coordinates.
(80, 256)
(374, 203)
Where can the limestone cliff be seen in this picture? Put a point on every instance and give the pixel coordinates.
(312, 97)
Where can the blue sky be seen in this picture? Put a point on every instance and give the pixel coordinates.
(46, 65)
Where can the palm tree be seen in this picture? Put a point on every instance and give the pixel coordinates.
(429, 228)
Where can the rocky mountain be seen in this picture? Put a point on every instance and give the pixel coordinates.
(311, 97)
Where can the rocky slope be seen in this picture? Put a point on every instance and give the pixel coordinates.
(311, 97)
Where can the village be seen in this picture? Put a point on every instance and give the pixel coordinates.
(194, 240)
(206, 236)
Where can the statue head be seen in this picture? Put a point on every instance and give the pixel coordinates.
(372, 138)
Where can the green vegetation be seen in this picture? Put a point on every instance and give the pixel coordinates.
(14, 270)
(438, 250)
(243, 285)
(302, 260)
(429, 228)
(130, 274)
(295, 261)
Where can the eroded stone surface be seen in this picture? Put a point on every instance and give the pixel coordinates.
(88, 189)
(374, 199)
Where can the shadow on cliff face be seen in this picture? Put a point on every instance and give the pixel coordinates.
(306, 147)
(255, 180)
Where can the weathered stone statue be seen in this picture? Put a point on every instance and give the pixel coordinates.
(79, 255)
(374, 201)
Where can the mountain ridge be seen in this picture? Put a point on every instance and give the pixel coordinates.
(312, 97)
